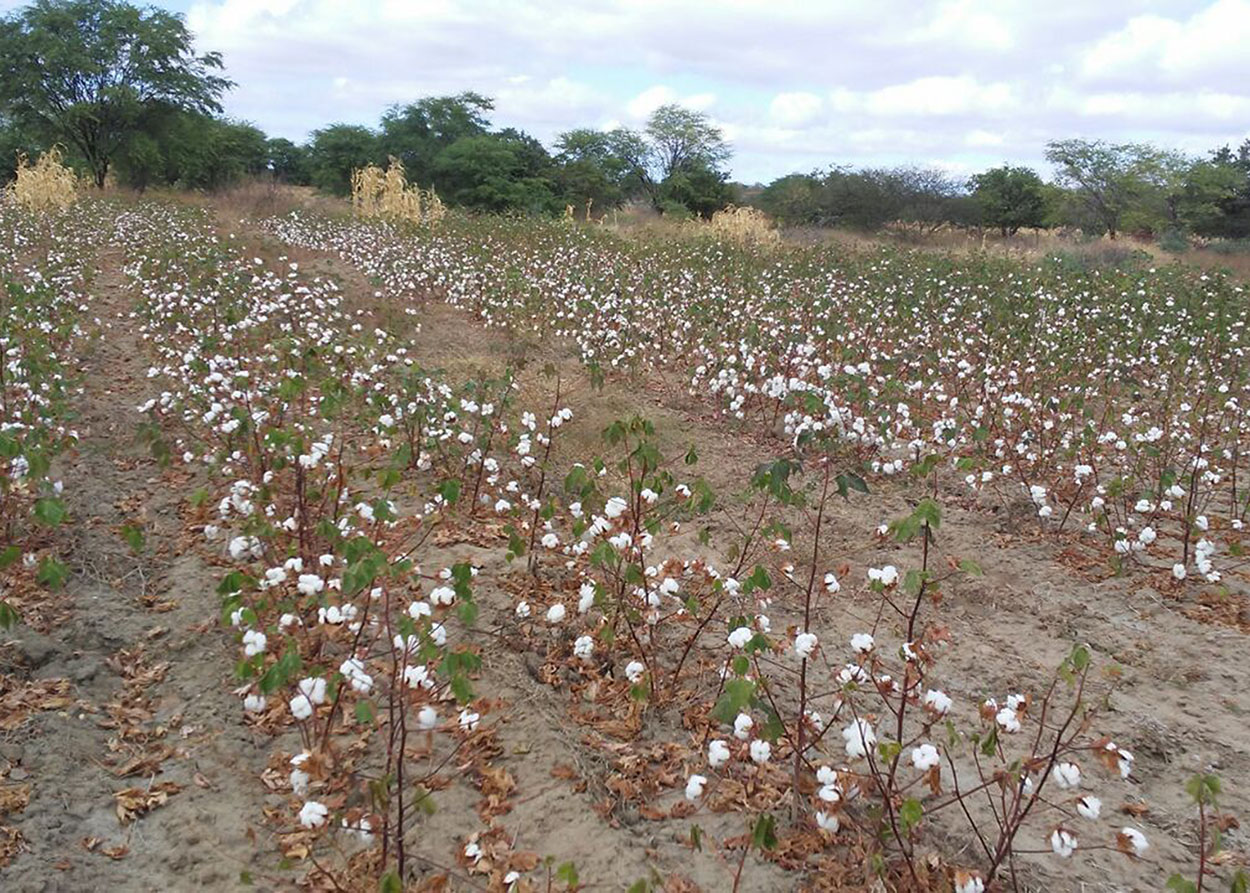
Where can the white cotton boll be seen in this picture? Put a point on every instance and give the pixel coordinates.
(253, 643)
(886, 576)
(694, 787)
(1132, 840)
(831, 584)
(550, 541)
(615, 507)
(827, 821)
(254, 703)
(761, 751)
(469, 720)
(1007, 720)
(301, 707)
(1062, 843)
(584, 647)
(313, 688)
(635, 670)
(938, 702)
(443, 595)
(313, 815)
(585, 597)
(1089, 807)
(1147, 535)
(310, 584)
(1178, 571)
(804, 645)
(924, 757)
(523, 610)
(555, 614)
(427, 718)
(717, 753)
(742, 726)
(859, 738)
(1066, 775)
(741, 636)
(862, 643)
(418, 677)
(299, 778)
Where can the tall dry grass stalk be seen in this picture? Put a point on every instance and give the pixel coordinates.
(46, 185)
(386, 193)
(746, 225)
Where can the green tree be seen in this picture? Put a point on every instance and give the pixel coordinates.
(697, 187)
(86, 72)
(606, 167)
(493, 172)
(1215, 199)
(336, 151)
(418, 132)
(287, 161)
(1109, 181)
(682, 139)
(1010, 198)
(793, 199)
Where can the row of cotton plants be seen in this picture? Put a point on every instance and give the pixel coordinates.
(45, 272)
(1110, 403)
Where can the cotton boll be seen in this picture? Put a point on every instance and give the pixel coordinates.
(761, 751)
(313, 815)
(1062, 843)
(924, 757)
(1066, 775)
(717, 753)
(694, 787)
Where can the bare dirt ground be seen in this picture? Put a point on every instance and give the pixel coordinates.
(147, 669)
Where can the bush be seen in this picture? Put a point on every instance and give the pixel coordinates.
(1174, 241)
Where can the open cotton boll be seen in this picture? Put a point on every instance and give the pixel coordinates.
(717, 753)
(694, 787)
(313, 814)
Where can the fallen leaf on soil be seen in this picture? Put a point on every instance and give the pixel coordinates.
(134, 802)
(13, 798)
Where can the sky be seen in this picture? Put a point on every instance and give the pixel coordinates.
(795, 86)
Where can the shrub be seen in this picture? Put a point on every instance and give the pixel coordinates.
(45, 185)
(379, 193)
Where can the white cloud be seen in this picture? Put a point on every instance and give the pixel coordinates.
(1211, 42)
(794, 84)
(795, 109)
(928, 96)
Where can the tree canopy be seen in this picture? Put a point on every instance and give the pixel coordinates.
(88, 72)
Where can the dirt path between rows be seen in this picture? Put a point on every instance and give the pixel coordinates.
(148, 665)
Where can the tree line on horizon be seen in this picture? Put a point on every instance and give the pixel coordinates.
(123, 91)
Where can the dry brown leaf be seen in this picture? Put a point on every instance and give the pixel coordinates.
(134, 802)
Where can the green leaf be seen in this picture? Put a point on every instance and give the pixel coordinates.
(50, 511)
(52, 573)
(567, 872)
(365, 712)
(390, 883)
(968, 566)
(8, 555)
(910, 813)
(764, 834)
(8, 615)
(1180, 884)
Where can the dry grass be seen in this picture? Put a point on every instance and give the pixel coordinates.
(46, 185)
(386, 193)
(745, 225)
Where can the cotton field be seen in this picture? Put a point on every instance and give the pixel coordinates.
(517, 555)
